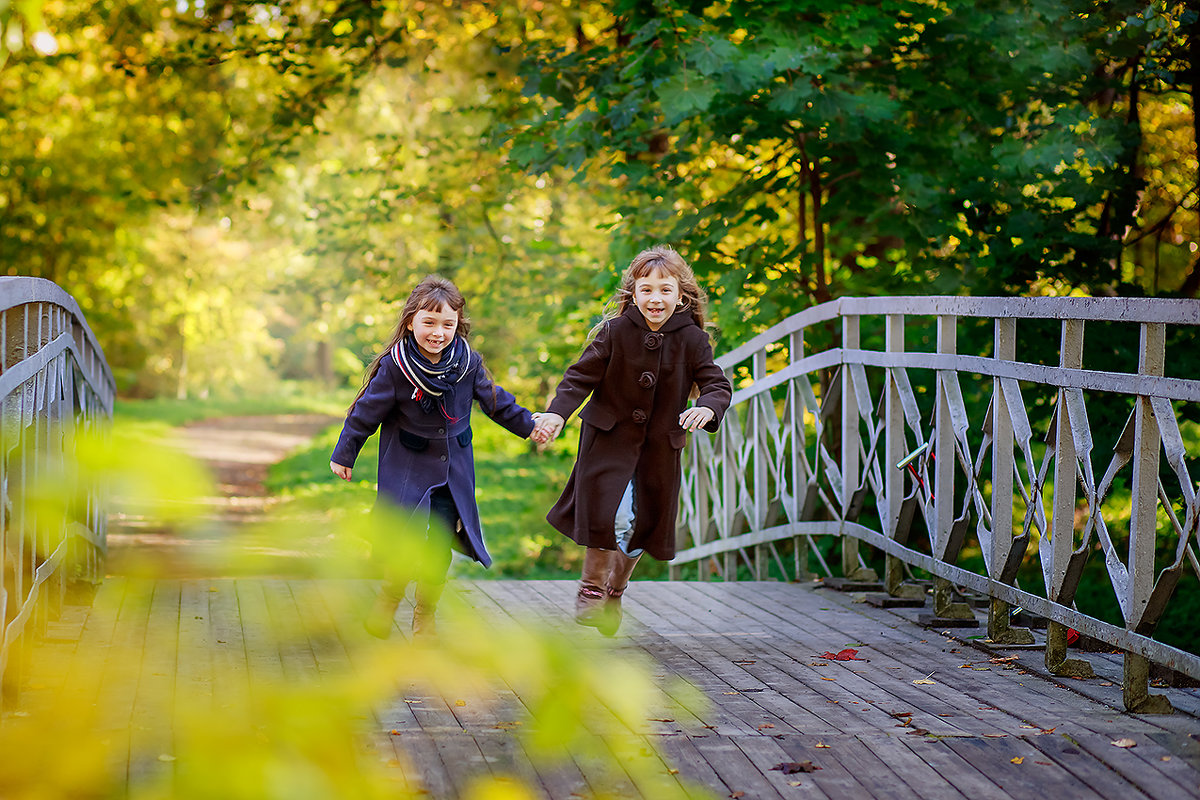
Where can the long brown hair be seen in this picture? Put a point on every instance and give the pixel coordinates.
(663, 259)
(431, 294)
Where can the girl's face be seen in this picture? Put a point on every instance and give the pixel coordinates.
(434, 330)
(656, 296)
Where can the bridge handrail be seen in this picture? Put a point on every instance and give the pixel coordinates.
(788, 466)
(53, 378)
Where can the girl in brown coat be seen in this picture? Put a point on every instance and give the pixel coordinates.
(644, 361)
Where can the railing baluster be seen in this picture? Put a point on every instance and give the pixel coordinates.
(851, 445)
(799, 477)
(1000, 547)
(1143, 522)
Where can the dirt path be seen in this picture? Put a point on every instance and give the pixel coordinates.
(223, 541)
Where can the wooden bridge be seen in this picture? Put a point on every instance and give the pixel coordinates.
(837, 685)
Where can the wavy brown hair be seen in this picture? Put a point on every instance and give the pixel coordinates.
(431, 294)
(662, 259)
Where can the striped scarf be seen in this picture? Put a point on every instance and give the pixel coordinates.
(433, 381)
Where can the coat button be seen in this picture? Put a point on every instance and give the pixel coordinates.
(639, 416)
(441, 430)
(652, 341)
(442, 457)
(647, 380)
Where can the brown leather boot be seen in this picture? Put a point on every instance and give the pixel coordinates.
(609, 620)
(589, 600)
(424, 623)
(379, 619)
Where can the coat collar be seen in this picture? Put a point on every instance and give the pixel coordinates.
(680, 319)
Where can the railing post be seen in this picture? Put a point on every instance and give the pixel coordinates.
(943, 476)
(761, 499)
(1062, 521)
(851, 340)
(1143, 523)
(894, 449)
(799, 479)
(1004, 348)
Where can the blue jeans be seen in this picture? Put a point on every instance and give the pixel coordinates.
(623, 524)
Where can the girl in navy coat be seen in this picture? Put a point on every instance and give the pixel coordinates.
(418, 393)
(644, 362)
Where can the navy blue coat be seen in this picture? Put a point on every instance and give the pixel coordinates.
(420, 451)
(639, 381)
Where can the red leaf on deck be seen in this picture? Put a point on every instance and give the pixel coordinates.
(849, 654)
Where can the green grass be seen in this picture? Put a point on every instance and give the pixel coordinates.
(287, 398)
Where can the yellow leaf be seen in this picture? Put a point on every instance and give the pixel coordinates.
(924, 681)
(1124, 743)
(460, 703)
(821, 745)
(1017, 759)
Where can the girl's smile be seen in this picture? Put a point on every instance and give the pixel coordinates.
(433, 330)
(656, 296)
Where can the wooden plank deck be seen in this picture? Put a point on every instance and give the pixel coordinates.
(988, 726)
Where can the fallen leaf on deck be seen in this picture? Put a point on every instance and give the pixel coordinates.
(849, 654)
(1124, 743)
(924, 682)
(1003, 659)
(995, 735)
(792, 767)
(394, 732)
(1165, 758)
(1016, 759)
(736, 795)
(673, 771)
(765, 725)
(507, 726)
(795, 783)
(828, 679)
(460, 703)
(821, 745)
(1044, 763)
(918, 732)
(900, 714)
(661, 719)
(1050, 730)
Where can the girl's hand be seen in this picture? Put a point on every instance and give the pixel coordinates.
(340, 471)
(548, 427)
(695, 418)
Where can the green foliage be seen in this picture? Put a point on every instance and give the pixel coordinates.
(800, 150)
(307, 733)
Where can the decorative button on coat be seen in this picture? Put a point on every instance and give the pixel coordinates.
(639, 416)
(647, 380)
(653, 341)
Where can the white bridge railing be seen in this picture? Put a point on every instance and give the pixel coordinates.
(54, 381)
(871, 437)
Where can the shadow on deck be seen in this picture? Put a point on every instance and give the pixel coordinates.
(919, 714)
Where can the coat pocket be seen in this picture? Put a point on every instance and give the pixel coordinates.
(413, 442)
(464, 438)
(677, 439)
(598, 417)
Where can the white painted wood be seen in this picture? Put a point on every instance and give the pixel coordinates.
(765, 468)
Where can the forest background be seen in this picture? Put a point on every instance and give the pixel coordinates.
(240, 195)
(238, 192)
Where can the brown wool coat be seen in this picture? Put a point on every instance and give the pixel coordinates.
(639, 381)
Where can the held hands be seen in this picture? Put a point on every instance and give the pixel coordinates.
(340, 471)
(548, 427)
(696, 418)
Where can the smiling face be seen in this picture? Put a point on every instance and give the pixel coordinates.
(656, 296)
(434, 329)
